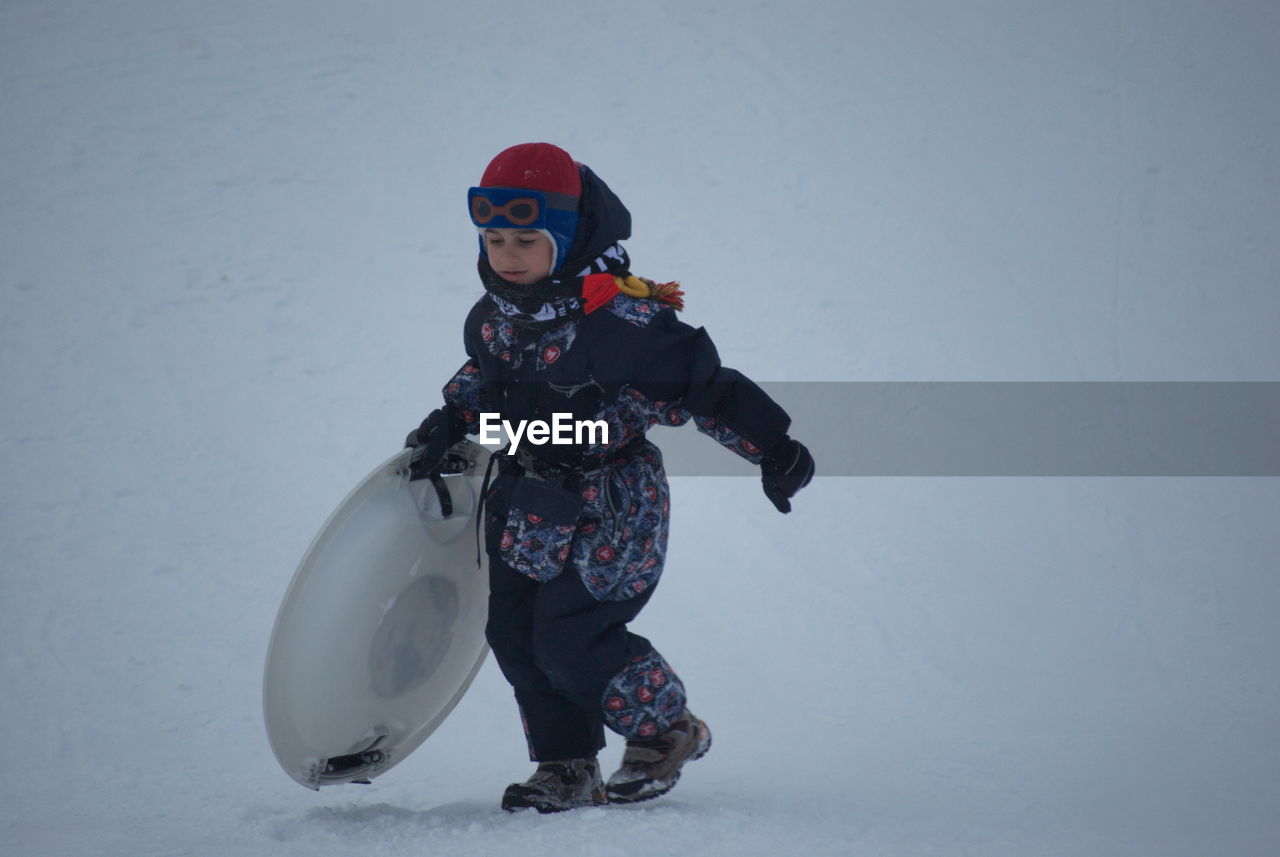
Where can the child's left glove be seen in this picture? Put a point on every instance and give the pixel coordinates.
(784, 470)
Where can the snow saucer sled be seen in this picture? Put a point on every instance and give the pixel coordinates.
(382, 628)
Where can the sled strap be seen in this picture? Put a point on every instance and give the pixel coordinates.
(484, 491)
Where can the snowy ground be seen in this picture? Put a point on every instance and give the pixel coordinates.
(235, 266)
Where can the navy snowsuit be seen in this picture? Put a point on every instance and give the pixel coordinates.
(577, 534)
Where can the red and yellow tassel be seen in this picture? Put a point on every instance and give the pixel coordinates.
(639, 287)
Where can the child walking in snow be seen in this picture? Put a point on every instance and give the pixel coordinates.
(576, 533)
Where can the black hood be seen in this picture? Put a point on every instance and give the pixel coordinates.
(602, 222)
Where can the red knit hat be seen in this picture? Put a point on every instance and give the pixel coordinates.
(534, 166)
(539, 167)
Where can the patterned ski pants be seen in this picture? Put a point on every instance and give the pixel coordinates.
(574, 665)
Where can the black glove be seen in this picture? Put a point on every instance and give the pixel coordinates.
(784, 470)
(430, 441)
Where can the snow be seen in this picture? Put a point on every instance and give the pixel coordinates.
(235, 268)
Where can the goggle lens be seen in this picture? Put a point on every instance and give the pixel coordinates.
(522, 210)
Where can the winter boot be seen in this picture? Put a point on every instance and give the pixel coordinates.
(651, 767)
(557, 786)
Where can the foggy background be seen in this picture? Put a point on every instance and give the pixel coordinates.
(236, 261)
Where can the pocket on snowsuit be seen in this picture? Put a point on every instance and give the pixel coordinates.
(541, 521)
(622, 542)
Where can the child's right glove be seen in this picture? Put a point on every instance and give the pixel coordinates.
(430, 441)
(784, 470)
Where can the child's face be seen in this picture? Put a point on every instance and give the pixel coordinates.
(520, 256)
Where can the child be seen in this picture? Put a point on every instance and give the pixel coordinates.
(577, 533)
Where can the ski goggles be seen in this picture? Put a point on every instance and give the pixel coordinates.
(515, 208)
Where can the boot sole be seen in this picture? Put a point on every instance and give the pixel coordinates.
(520, 802)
